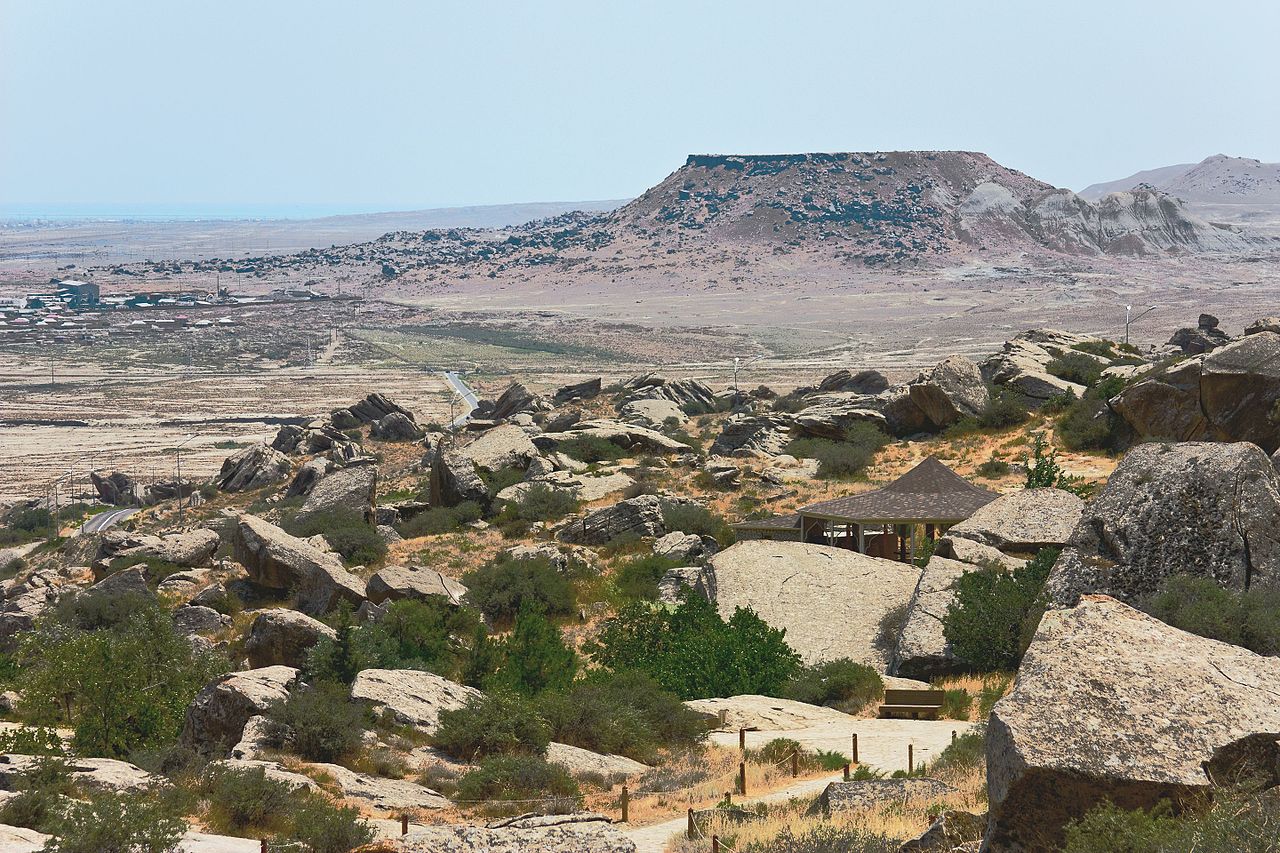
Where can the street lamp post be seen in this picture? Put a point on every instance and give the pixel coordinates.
(738, 365)
(182, 517)
(1130, 319)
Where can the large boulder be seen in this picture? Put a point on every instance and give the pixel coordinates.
(309, 476)
(384, 795)
(454, 479)
(217, 716)
(626, 436)
(862, 382)
(1112, 705)
(753, 435)
(1230, 394)
(513, 401)
(396, 427)
(691, 395)
(868, 795)
(579, 760)
(348, 490)
(652, 413)
(922, 651)
(252, 468)
(102, 774)
(504, 446)
(830, 601)
(375, 407)
(28, 600)
(952, 390)
(1023, 521)
(586, 390)
(831, 415)
(570, 833)
(1211, 510)
(190, 548)
(283, 637)
(1205, 336)
(116, 488)
(640, 516)
(277, 560)
(412, 696)
(396, 582)
(1022, 365)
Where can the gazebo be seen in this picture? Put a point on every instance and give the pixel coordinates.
(882, 522)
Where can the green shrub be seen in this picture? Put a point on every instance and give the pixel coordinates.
(995, 613)
(319, 724)
(521, 777)
(104, 682)
(825, 838)
(534, 657)
(590, 448)
(1248, 618)
(694, 653)
(245, 799)
(440, 520)
(106, 822)
(501, 587)
(323, 827)
(993, 469)
(697, 520)
(358, 542)
(156, 569)
(1044, 472)
(497, 723)
(1232, 821)
(543, 503)
(1076, 367)
(956, 703)
(1005, 408)
(966, 752)
(40, 792)
(842, 459)
(625, 713)
(26, 740)
(842, 682)
(637, 578)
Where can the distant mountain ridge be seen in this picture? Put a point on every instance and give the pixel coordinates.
(1215, 180)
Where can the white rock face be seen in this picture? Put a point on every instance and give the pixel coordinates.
(414, 696)
(271, 770)
(767, 713)
(1023, 521)
(106, 774)
(216, 717)
(922, 650)
(829, 600)
(1112, 704)
(652, 413)
(387, 795)
(396, 582)
(580, 760)
(505, 446)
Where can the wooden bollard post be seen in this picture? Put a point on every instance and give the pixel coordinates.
(404, 824)
(854, 757)
(689, 833)
(262, 845)
(715, 844)
(742, 778)
(953, 735)
(626, 802)
(911, 765)
(724, 718)
(846, 773)
(728, 798)
(742, 740)
(795, 764)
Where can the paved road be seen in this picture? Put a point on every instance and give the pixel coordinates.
(103, 520)
(468, 396)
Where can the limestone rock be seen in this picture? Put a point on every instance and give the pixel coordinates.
(386, 795)
(952, 390)
(767, 713)
(116, 488)
(216, 717)
(348, 490)
(454, 479)
(396, 427)
(626, 436)
(831, 415)
(283, 637)
(415, 697)
(271, 770)
(1023, 521)
(587, 390)
(691, 395)
(640, 516)
(787, 583)
(582, 487)
(752, 435)
(505, 446)
(375, 407)
(514, 400)
(1211, 510)
(546, 834)
(675, 580)
(922, 651)
(685, 547)
(16, 839)
(103, 774)
(189, 548)
(862, 382)
(1166, 404)
(580, 760)
(196, 620)
(279, 561)
(184, 586)
(396, 582)
(1263, 324)
(948, 831)
(252, 468)
(1111, 704)
(308, 476)
(1204, 337)
(874, 794)
(131, 582)
(975, 553)
(1022, 365)
(652, 413)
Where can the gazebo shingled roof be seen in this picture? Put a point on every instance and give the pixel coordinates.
(928, 492)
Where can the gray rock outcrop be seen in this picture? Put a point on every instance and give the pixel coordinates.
(789, 583)
(348, 490)
(586, 390)
(252, 468)
(872, 794)
(504, 446)
(396, 426)
(576, 833)
(921, 650)
(277, 560)
(1111, 704)
(454, 479)
(116, 488)
(753, 435)
(385, 795)
(653, 414)
(412, 696)
(190, 548)
(1023, 363)
(514, 400)
(282, 637)
(640, 516)
(627, 436)
(393, 583)
(1210, 510)
(694, 397)
(1205, 336)
(217, 716)
(1024, 521)
(862, 382)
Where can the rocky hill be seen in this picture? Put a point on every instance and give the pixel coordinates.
(1215, 180)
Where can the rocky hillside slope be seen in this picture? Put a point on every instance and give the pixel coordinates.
(1215, 180)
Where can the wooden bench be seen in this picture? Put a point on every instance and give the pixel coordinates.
(915, 704)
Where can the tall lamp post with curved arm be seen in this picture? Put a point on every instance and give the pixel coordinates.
(1129, 319)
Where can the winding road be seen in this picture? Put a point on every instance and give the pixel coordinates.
(468, 397)
(103, 520)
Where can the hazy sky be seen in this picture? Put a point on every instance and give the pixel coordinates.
(372, 105)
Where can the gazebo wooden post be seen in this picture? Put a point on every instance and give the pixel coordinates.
(862, 540)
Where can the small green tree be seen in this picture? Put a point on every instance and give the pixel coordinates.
(496, 723)
(534, 658)
(107, 822)
(320, 724)
(1044, 471)
(500, 588)
(994, 613)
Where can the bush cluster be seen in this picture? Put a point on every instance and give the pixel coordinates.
(994, 613)
(521, 777)
(1248, 618)
(440, 519)
(1077, 367)
(637, 578)
(842, 459)
(319, 724)
(502, 586)
(843, 683)
(1233, 820)
(694, 653)
(357, 541)
(698, 520)
(539, 503)
(496, 723)
(590, 448)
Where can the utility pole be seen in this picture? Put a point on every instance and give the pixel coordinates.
(178, 450)
(1129, 319)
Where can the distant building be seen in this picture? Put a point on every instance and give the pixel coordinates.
(80, 294)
